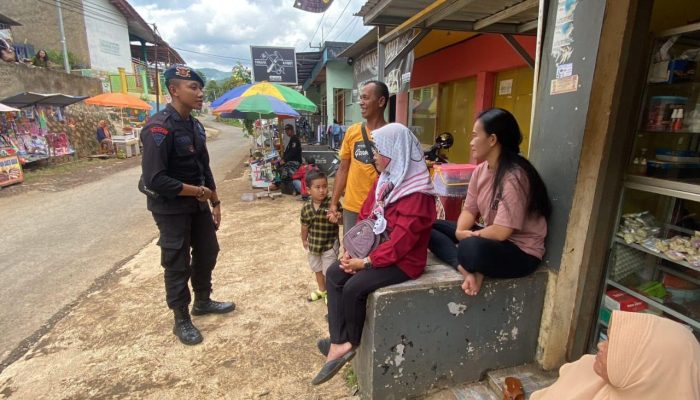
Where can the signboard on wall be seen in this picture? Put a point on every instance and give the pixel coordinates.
(274, 64)
(398, 77)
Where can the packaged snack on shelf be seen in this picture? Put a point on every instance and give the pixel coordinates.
(652, 289)
(616, 299)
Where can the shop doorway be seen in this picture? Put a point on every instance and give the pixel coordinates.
(456, 115)
(513, 92)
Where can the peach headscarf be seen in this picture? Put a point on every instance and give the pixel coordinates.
(649, 357)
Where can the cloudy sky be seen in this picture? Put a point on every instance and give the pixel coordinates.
(223, 30)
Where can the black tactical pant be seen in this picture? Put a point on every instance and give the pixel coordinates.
(178, 234)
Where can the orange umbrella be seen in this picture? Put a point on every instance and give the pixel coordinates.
(119, 100)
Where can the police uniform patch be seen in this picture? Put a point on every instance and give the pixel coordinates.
(183, 72)
(158, 133)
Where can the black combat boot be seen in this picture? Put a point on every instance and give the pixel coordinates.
(204, 305)
(184, 329)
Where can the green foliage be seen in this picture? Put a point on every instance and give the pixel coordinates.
(240, 74)
(212, 90)
(248, 123)
(350, 378)
(56, 57)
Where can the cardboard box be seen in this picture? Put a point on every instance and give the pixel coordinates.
(616, 299)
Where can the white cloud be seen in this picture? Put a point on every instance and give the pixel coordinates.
(227, 28)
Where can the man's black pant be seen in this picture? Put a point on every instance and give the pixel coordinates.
(347, 298)
(178, 234)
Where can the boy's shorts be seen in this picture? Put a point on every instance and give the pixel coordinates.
(321, 262)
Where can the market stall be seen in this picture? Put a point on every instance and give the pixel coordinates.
(128, 114)
(26, 130)
(10, 167)
(263, 163)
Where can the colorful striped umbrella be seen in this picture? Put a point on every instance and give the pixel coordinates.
(257, 106)
(290, 96)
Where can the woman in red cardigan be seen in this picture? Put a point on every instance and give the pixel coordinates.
(402, 202)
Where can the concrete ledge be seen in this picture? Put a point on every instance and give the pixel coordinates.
(426, 334)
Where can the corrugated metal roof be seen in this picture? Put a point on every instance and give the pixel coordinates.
(395, 12)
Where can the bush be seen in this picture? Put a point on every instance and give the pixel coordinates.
(56, 57)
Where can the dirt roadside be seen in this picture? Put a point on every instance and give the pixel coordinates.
(117, 342)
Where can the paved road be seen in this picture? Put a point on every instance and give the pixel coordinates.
(57, 244)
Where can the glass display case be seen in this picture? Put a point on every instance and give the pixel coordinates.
(654, 262)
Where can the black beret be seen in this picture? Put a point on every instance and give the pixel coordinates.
(182, 72)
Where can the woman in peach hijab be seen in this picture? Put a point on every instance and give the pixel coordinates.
(646, 357)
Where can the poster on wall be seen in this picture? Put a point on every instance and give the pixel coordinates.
(398, 77)
(315, 6)
(563, 41)
(10, 171)
(274, 64)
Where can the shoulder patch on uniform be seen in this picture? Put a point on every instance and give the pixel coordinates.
(158, 133)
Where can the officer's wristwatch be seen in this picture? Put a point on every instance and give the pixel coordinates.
(215, 203)
(368, 263)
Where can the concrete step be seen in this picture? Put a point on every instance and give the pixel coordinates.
(532, 377)
(472, 391)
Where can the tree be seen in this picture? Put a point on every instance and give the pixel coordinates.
(240, 74)
(212, 90)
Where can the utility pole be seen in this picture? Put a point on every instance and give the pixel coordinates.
(155, 28)
(63, 37)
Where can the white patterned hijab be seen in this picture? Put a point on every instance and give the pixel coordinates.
(406, 173)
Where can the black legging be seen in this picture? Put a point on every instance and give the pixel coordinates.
(347, 298)
(476, 254)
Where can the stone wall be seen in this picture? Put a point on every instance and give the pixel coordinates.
(80, 124)
(19, 78)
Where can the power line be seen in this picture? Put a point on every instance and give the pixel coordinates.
(72, 10)
(93, 7)
(339, 17)
(212, 55)
(352, 23)
(354, 27)
(319, 25)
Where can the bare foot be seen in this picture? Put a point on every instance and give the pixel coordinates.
(472, 283)
(338, 350)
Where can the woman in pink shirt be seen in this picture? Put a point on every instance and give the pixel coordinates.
(506, 197)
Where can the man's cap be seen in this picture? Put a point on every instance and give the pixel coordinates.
(182, 72)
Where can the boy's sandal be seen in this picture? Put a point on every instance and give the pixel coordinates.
(513, 389)
(317, 295)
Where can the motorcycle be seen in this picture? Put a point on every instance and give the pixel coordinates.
(443, 141)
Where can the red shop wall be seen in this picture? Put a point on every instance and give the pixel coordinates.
(483, 53)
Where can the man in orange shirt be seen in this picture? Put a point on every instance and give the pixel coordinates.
(356, 173)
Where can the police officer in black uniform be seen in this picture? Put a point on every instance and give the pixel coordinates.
(293, 150)
(179, 185)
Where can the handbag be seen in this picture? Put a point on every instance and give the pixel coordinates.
(360, 240)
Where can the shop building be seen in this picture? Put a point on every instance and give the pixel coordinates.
(614, 132)
(328, 83)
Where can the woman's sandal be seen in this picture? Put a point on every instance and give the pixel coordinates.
(332, 367)
(513, 389)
